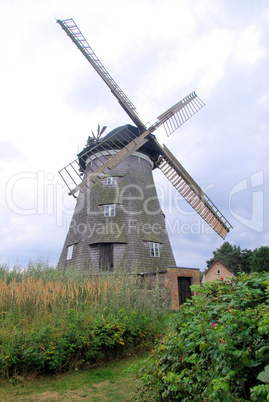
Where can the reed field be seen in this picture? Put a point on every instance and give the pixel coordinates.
(53, 320)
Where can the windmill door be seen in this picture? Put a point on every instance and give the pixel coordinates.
(106, 256)
(184, 290)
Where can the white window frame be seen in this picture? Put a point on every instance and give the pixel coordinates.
(110, 180)
(109, 210)
(70, 250)
(154, 249)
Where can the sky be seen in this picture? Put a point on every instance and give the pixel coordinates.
(158, 52)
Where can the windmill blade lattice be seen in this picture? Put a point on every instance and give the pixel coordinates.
(192, 193)
(174, 117)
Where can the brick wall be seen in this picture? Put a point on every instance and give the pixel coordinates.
(212, 273)
(169, 279)
(172, 281)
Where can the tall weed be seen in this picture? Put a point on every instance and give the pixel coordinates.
(53, 319)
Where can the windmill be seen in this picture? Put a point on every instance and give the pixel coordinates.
(117, 218)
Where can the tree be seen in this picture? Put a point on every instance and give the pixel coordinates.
(242, 260)
(246, 260)
(222, 253)
(260, 259)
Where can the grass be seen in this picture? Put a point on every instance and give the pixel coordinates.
(111, 382)
(52, 321)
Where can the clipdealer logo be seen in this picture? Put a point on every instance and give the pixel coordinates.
(256, 221)
(47, 197)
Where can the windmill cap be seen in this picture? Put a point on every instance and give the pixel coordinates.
(117, 139)
(124, 134)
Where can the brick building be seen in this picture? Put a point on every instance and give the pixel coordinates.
(217, 270)
(177, 280)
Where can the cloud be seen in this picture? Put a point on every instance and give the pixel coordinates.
(9, 152)
(248, 48)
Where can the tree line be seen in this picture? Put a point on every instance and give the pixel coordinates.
(238, 260)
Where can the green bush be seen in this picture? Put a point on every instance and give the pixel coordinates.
(217, 348)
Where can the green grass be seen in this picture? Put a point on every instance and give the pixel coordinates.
(111, 382)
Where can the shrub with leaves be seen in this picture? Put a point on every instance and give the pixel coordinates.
(217, 348)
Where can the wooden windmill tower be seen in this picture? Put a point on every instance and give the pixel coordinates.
(117, 218)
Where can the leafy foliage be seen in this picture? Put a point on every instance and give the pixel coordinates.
(260, 259)
(217, 348)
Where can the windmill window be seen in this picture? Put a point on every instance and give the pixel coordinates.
(109, 210)
(154, 249)
(70, 250)
(111, 180)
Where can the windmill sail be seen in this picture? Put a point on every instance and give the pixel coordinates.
(174, 117)
(72, 30)
(191, 192)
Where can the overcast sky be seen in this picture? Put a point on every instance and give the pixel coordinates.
(158, 52)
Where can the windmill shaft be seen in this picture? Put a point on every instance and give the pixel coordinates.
(72, 30)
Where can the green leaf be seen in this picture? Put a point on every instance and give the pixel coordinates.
(204, 346)
(222, 347)
(264, 375)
